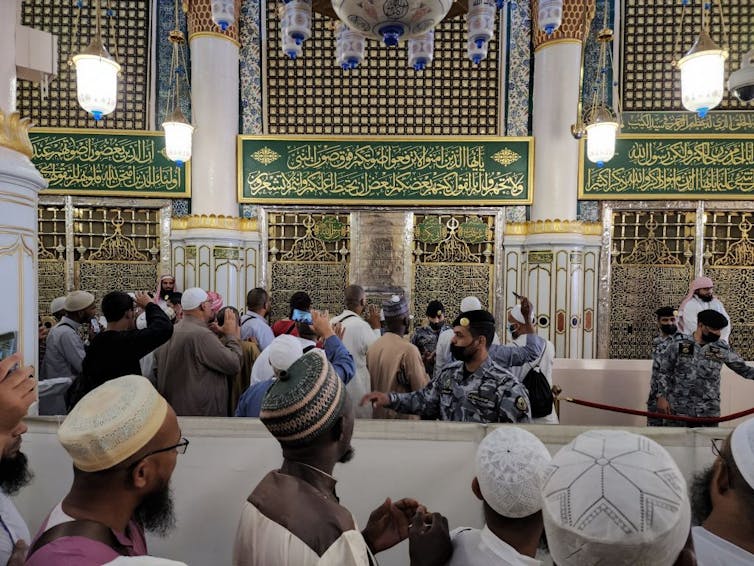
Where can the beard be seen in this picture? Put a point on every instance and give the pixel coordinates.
(156, 513)
(347, 455)
(14, 473)
(705, 298)
(701, 501)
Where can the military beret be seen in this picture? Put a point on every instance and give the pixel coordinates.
(476, 319)
(435, 308)
(666, 311)
(712, 319)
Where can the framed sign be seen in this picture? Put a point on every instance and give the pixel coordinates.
(385, 171)
(128, 163)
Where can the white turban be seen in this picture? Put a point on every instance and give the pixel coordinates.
(510, 464)
(470, 304)
(615, 497)
(742, 448)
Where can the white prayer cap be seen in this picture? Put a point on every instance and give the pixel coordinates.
(57, 305)
(510, 464)
(742, 448)
(615, 497)
(470, 304)
(112, 423)
(192, 298)
(519, 316)
(284, 350)
(78, 301)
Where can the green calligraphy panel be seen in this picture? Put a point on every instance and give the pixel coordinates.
(702, 166)
(386, 170)
(108, 162)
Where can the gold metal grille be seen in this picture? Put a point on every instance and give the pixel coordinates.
(311, 253)
(729, 261)
(125, 33)
(453, 258)
(52, 248)
(312, 95)
(652, 262)
(649, 46)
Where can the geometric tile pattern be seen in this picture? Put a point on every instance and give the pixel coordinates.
(165, 24)
(125, 31)
(250, 67)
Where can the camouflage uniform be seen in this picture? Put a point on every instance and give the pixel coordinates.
(489, 395)
(425, 338)
(688, 375)
(660, 344)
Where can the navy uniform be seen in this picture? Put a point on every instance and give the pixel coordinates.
(489, 395)
(659, 344)
(425, 338)
(689, 373)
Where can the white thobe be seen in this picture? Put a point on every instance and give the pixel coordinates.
(711, 550)
(692, 308)
(545, 366)
(472, 547)
(12, 523)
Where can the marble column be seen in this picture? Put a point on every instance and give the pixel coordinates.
(8, 60)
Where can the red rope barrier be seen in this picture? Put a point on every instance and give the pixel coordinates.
(682, 418)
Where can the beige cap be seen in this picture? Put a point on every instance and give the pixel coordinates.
(78, 301)
(112, 423)
(57, 305)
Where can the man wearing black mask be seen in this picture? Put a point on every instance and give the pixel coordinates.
(666, 323)
(474, 388)
(425, 337)
(688, 376)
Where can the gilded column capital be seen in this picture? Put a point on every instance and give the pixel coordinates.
(200, 21)
(555, 226)
(14, 133)
(212, 221)
(574, 27)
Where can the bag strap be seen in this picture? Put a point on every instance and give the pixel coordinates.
(92, 530)
(539, 359)
(290, 328)
(347, 317)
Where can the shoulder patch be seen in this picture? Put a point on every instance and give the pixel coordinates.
(686, 348)
(521, 404)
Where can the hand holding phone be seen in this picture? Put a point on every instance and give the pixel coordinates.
(302, 316)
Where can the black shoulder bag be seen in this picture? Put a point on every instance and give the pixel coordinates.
(540, 392)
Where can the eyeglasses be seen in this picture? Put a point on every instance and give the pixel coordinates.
(717, 446)
(180, 448)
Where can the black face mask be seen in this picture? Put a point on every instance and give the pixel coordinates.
(669, 328)
(709, 338)
(436, 325)
(462, 353)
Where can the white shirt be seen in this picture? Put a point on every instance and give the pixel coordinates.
(711, 550)
(357, 338)
(472, 547)
(442, 352)
(13, 522)
(545, 366)
(692, 308)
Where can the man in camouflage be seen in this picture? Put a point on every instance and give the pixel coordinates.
(425, 337)
(689, 369)
(666, 323)
(475, 388)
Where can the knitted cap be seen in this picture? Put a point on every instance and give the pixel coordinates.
(78, 301)
(480, 320)
(470, 304)
(614, 497)
(510, 464)
(112, 423)
(394, 307)
(435, 308)
(304, 402)
(742, 449)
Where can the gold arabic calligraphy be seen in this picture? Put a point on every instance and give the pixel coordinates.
(687, 122)
(92, 149)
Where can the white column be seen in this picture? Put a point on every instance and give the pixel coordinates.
(8, 57)
(556, 91)
(20, 183)
(214, 99)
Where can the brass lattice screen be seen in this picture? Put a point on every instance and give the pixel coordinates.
(51, 274)
(453, 258)
(125, 33)
(308, 252)
(649, 32)
(312, 95)
(652, 262)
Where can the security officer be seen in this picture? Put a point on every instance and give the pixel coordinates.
(666, 323)
(475, 388)
(688, 377)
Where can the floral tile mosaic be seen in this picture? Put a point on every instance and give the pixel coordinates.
(588, 211)
(248, 211)
(250, 67)
(592, 69)
(181, 207)
(166, 23)
(518, 77)
(516, 213)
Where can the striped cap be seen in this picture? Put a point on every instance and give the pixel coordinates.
(305, 402)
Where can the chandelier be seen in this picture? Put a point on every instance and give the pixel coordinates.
(703, 66)
(391, 22)
(178, 132)
(602, 123)
(96, 71)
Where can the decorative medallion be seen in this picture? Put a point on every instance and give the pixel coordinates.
(330, 229)
(430, 231)
(473, 231)
(265, 156)
(506, 157)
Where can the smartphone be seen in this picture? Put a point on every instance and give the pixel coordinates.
(302, 316)
(8, 344)
(518, 297)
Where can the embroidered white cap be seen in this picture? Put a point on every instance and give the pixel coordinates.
(742, 448)
(192, 298)
(615, 497)
(57, 305)
(284, 350)
(519, 316)
(510, 464)
(470, 304)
